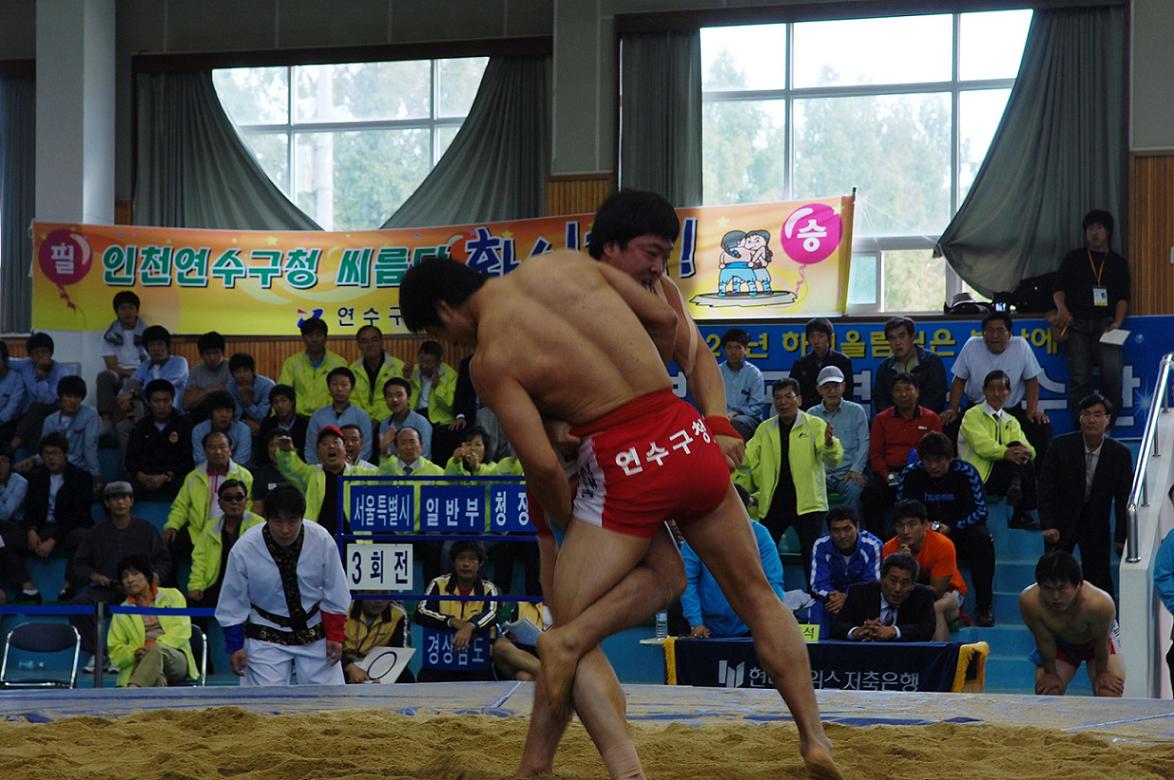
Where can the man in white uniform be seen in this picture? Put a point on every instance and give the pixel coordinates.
(284, 599)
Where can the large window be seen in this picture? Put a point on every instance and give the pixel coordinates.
(348, 143)
(903, 109)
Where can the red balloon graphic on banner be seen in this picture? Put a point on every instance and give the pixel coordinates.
(65, 258)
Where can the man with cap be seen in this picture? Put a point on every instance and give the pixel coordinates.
(850, 422)
(284, 599)
(98, 556)
(319, 482)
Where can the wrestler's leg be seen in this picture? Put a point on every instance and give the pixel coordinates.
(725, 542)
(1064, 670)
(652, 586)
(1115, 666)
(591, 562)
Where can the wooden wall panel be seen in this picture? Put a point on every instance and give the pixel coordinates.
(1151, 233)
(577, 194)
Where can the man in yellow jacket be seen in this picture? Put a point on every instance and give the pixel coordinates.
(196, 505)
(149, 650)
(209, 552)
(319, 483)
(796, 495)
(372, 371)
(992, 440)
(306, 371)
(434, 390)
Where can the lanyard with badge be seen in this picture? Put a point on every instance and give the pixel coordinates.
(1100, 294)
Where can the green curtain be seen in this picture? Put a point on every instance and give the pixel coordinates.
(18, 121)
(660, 115)
(1059, 151)
(497, 165)
(193, 170)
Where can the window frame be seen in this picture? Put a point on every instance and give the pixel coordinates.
(789, 94)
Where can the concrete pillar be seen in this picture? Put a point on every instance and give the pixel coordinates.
(75, 134)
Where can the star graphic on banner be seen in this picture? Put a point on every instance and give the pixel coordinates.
(507, 234)
(271, 241)
(723, 222)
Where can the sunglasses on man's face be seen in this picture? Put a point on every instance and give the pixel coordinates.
(233, 497)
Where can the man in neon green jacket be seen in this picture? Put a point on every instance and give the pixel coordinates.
(469, 458)
(372, 371)
(149, 650)
(993, 441)
(306, 371)
(319, 482)
(796, 495)
(196, 506)
(209, 552)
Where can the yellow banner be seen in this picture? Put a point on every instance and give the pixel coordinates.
(732, 262)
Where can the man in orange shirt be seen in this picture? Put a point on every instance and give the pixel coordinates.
(935, 554)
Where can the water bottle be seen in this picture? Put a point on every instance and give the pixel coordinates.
(29, 665)
(662, 624)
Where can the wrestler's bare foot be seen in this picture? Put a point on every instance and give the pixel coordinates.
(527, 773)
(559, 662)
(819, 762)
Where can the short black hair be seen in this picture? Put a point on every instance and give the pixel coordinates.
(3, 353)
(286, 391)
(54, 439)
(892, 323)
(314, 324)
(464, 546)
(628, 214)
(903, 561)
(368, 326)
(1095, 399)
(341, 371)
(158, 386)
(285, 500)
(909, 508)
(474, 431)
(784, 383)
(220, 399)
(1098, 217)
(208, 437)
(906, 377)
(210, 340)
(1058, 566)
(6, 451)
(351, 427)
(140, 562)
(431, 282)
(819, 325)
(996, 376)
(935, 444)
(736, 334)
(125, 296)
(71, 385)
(38, 340)
(241, 360)
(397, 381)
(431, 347)
(998, 315)
(229, 484)
(841, 512)
(157, 333)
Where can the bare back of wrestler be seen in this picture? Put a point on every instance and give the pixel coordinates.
(571, 339)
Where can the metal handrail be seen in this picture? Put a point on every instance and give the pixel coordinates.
(1149, 448)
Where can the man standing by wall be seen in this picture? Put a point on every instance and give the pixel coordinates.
(1092, 298)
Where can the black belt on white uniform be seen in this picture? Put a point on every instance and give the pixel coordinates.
(296, 635)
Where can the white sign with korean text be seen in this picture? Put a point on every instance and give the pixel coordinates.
(379, 566)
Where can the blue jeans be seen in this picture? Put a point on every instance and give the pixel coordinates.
(849, 490)
(1086, 350)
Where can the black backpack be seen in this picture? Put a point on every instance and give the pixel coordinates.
(1032, 295)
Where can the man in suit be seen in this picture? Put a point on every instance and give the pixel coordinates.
(1085, 475)
(896, 609)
